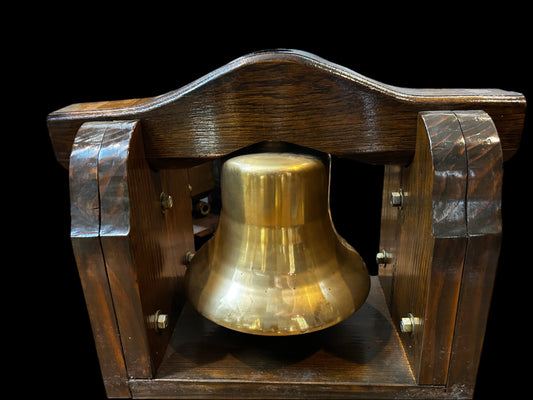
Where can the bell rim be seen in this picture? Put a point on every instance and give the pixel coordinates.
(359, 299)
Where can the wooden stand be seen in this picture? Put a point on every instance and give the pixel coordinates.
(441, 240)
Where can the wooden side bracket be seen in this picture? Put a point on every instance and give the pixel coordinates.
(444, 243)
(129, 251)
(85, 238)
(484, 230)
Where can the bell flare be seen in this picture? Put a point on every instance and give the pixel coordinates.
(270, 274)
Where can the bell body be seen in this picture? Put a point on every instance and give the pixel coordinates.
(276, 265)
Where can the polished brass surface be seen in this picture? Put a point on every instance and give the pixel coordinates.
(276, 265)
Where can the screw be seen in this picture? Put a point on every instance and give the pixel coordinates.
(166, 201)
(383, 257)
(396, 198)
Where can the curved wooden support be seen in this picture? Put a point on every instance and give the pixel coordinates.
(444, 242)
(484, 231)
(85, 238)
(289, 96)
(429, 242)
(129, 252)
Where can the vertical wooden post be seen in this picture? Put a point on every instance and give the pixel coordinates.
(144, 258)
(130, 250)
(484, 226)
(444, 242)
(428, 232)
(85, 237)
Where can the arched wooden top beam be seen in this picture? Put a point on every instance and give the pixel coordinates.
(290, 96)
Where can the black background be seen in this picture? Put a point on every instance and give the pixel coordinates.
(83, 55)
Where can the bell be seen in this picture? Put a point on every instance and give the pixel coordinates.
(276, 265)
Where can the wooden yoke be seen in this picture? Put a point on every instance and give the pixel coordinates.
(288, 96)
(443, 151)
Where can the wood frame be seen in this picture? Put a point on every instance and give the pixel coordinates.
(444, 239)
(450, 254)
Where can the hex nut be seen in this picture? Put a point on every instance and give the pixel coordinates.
(383, 257)
(158, 321)
(162, 321)
(396, 199)
(408, 324)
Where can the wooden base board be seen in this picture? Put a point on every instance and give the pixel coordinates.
(361, 356)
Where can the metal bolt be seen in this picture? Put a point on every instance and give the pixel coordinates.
(162, 321)
(158, 321)
(383, 257)
(396, 199)
(166, 201)
(188, 257)
(408, 324)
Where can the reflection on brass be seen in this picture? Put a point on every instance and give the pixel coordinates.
(276, 265)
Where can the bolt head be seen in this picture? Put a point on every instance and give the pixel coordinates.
(162, 321)
(383, 257)
(406, 325)
(166, 201)
(409, 324)
(188, 257)
(396, 199)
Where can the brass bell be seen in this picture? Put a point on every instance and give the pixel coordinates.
(276, 265)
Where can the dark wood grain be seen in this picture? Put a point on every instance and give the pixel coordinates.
(485, 172)
(445, 242)
(116, 156)
(288, 96)
(85, 230)
(130, 253)
(144, 247)
(249, 389)
(353, 357)
(479, 273)
(484, 225)
(428, 239)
